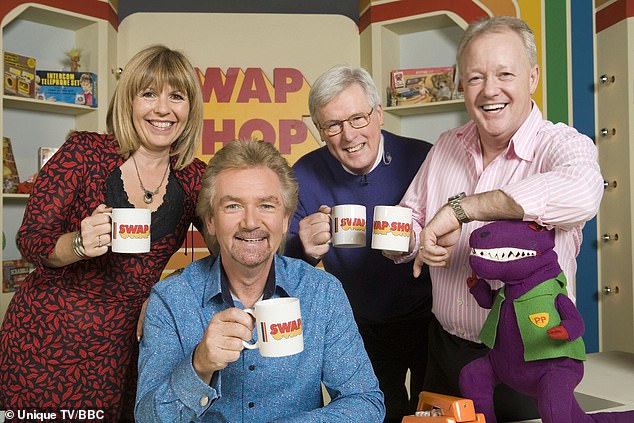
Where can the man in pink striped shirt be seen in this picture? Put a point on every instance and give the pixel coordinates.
(512, 164)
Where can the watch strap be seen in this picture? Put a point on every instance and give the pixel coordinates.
(455, 202)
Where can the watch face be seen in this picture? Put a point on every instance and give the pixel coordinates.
(457, 196)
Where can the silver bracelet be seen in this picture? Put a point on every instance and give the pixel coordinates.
(78, 245)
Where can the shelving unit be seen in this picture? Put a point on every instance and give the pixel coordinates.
(46, 33)
(614, 141)
(428, 40)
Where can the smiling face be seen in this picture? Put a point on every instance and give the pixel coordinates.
(249, 219)
(498, 83)
(86, 86)
(160, 116)
(356, 149)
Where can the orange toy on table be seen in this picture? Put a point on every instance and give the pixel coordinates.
(446, 409)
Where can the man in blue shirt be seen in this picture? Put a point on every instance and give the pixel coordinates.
(192, 365)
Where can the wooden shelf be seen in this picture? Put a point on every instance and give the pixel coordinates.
(15, 196)
(49, 16)
(419, 109)
(410, 25)
(31, 104)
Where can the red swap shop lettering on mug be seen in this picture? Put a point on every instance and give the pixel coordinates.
(396, 228)
(283, 330)
(131, 231)
(351, 224)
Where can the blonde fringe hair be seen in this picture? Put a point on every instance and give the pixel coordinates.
(157, 66)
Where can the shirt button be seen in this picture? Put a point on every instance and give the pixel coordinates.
(251, 405)
(204, 401)
(459, 301)
(251, 367)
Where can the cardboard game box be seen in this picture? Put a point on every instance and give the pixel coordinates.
(19, 75)
(67, 87)
(14, 272)
(10, 178)
(421, 85)
(45, 153)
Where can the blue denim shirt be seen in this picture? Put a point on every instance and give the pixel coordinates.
(255, 388)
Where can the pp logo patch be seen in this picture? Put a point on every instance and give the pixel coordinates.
(539, 319)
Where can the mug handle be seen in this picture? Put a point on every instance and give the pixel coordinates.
(109, 214)
(246, 344)
(332, 222)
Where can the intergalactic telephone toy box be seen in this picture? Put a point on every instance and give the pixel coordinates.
(67, 87)
(19, 75)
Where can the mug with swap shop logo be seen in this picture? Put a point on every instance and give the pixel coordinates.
(130, 230)
(348, 226)
(391, 228)
(278, 323)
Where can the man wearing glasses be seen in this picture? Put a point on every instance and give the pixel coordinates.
(361, 164)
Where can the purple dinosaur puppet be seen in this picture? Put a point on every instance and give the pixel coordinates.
(534, 330)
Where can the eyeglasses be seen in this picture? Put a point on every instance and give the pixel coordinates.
(357, 121)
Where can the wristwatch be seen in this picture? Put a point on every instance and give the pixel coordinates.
(455, 202)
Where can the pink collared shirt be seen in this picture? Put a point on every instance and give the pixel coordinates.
(550, 170)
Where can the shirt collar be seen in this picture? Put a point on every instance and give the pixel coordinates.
(218, 284)
(525, 140)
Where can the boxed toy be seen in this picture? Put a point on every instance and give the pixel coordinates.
(45, 153)
(10, 179)
(19, 75)
(14, 272)
(421, 85)
(67, 87)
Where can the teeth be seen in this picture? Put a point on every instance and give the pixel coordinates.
(489, 107)
(355, 148)
(162, 125)
(252, 239)
(502, 254)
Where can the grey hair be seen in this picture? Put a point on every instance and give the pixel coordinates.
(332, 82)
(499, 24)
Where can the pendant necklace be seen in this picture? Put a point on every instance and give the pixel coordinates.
(148, 196)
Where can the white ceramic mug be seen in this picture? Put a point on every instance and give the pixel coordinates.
(348, 226)
(391, 228)
(130, 230)
(278, 323)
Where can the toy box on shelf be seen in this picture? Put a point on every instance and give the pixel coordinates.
(19, 75)
(45, 153)
(10, 178)
(67, 87)
(14, 272)
(421, 85)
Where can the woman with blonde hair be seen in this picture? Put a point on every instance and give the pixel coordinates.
(69, 339)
